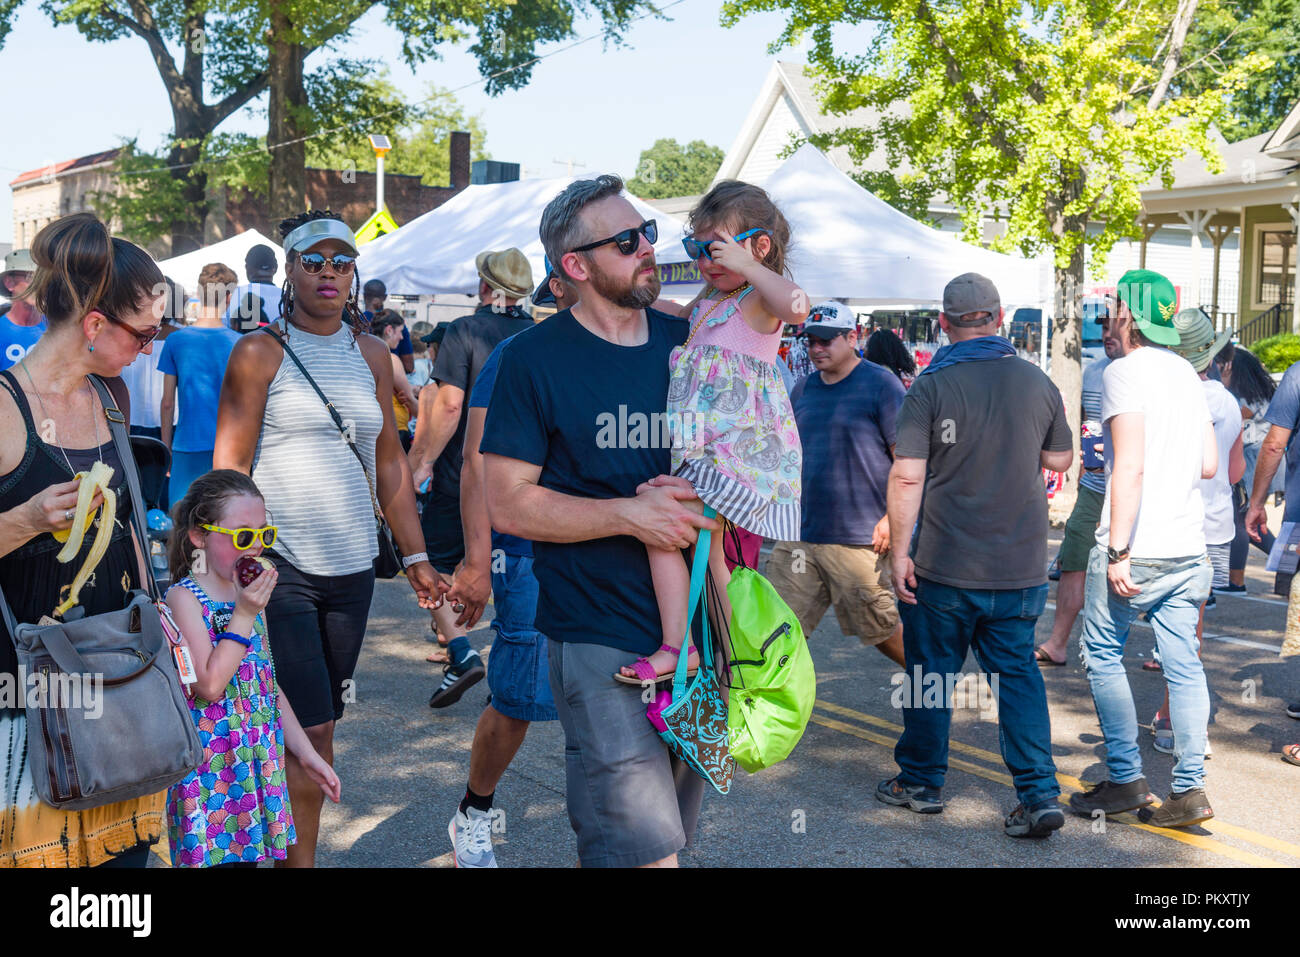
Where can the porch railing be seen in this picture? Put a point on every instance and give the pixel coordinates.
(1276, 320)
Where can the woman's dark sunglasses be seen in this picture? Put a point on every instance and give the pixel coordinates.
(143, 337)
(628, 240)
(315, 262)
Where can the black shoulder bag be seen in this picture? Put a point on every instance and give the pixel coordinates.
(388, 564)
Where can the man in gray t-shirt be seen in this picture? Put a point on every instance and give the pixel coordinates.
(974, 432)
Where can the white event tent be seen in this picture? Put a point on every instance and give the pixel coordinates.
(848, 244)
(434, 253)
(185, 268)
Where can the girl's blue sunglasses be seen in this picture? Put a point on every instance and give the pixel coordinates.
(695, 248)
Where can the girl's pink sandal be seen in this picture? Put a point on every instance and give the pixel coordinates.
(645, 672)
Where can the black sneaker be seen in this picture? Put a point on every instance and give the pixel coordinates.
(1293, 710)
(1038, 822)
(1180, 810)
(922, 800)
(1112, 798)
(1211, 602)
(457, 680)
(1229, 589)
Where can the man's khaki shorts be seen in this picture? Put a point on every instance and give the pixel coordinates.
(853, 578)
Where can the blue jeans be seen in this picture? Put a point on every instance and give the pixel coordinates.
(998, 624)
(1172, 592)
(517, 672)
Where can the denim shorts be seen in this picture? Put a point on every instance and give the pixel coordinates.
(517, 672)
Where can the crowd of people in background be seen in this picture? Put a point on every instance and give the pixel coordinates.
(301, 419)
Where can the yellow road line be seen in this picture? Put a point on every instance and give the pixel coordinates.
(1194, 840)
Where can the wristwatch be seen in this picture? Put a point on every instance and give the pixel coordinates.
(1117, 556)
(409, 560)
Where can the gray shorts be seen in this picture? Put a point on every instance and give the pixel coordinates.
(630, 802)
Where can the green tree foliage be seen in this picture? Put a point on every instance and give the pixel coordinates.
(1224, 35)
(207, 55)
(670, 169)
(419, 132)
(505, 38)
(1053, 113)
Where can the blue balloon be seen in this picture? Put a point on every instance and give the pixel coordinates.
(158, 520)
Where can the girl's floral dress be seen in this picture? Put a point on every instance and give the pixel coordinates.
(734, 433)
(235, 806)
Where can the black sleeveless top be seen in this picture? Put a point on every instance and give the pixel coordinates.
(34, 582)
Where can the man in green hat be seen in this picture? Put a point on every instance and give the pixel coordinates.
(1150, 553)
(1199, 345)
(1151, 301)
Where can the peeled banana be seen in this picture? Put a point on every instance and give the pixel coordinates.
(96, 480)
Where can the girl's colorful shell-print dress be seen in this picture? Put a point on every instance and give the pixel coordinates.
(235, 806)
(734, 433)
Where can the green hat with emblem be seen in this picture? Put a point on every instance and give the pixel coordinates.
(1152, 300)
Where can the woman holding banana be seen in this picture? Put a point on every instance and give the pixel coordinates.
(103, 299)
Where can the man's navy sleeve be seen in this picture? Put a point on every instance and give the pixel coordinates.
(517, 416)
(480, 396)
(404, 348)
(1284, 408)
(888, 403)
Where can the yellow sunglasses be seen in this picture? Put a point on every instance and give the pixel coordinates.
(245, 538)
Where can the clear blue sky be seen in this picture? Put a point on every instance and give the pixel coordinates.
(685, 78)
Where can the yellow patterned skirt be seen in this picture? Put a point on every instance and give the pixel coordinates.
(33, 834)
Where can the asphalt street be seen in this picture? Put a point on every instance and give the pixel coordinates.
(403, 765)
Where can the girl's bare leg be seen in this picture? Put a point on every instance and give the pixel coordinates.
(672, 584)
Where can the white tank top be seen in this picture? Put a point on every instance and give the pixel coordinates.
(314, 488)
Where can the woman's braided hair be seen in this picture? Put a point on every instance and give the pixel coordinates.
(351, 308)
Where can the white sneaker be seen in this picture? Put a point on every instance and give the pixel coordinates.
(471, 838)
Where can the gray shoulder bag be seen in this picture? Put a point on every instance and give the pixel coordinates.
(112, 723)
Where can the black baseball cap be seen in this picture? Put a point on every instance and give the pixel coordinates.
(436, 336)
(543, 296)
(260, 256)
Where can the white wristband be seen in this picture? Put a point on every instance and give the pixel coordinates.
(409, 560)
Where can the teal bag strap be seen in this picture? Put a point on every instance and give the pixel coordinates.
(699, 574)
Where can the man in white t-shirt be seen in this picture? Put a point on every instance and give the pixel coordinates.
(1150, 552)
(1199, 346)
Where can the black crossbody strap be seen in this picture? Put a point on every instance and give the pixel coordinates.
(117, 425)
(334, 414)
(122, 442)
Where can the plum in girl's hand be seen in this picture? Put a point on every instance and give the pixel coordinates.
(248, 568)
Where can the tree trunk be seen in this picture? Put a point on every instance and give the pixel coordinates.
(288, 102)
(187, 232)
(1067, 337)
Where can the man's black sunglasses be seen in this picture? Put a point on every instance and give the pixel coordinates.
(628, 240)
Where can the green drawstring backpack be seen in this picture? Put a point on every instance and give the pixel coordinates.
(773, 684)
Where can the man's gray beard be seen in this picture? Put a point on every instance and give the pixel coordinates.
(629, 296)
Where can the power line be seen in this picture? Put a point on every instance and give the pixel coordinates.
(367, 119)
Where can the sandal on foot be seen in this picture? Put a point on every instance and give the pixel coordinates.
(1151, 665)
(1043, 658)
(645, 672)
(1291, 754)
